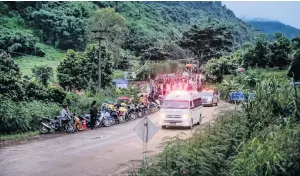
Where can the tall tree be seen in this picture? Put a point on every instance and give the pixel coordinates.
(70, 71)
(258, 55)
(175, 51)
(208, 42)
(108, 24)
(296, 43)
(78, 70)
(280, 50)
(294, 70)
(155, 54)
(90, 65)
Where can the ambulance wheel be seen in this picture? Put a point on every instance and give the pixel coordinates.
(200, 120)
(191, 124)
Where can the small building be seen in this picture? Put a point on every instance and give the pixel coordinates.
(120, 83)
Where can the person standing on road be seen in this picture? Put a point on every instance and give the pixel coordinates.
(93, 113)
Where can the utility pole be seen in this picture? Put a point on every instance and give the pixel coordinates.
(100, 38)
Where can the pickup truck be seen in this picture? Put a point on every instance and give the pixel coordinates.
(239, 96)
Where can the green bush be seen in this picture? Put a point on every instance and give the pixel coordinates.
(215, 69)
(79, 70)
(24, 116)
(10, 83)
(19, 43)
(276, 153)
(43, 73)
(36, 91)
(81, 104)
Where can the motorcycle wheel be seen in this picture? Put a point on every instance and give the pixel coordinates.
(70, 128)
(79, 127)
(97, 124)
(114, 121)
(139, 114)
(146, 112)
(132, 116)
(43, 129)
(106, 122)
(122, 119)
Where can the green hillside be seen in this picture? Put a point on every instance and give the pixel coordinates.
(36, 33)
(271, 27)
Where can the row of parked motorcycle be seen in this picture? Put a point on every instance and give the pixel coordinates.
(109, 114)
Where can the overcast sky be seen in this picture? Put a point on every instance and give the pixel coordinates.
(285, 12)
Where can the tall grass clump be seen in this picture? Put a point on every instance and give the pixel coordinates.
(24, 116)
(81, 104)
(205, 153)
(276, 153)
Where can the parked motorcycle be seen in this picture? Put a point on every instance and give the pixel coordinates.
(139, 111)
(122, 112)
(78, 124)
(153, 107)
(47, 125)
(108, 120)
(132, 112)
(98, 122)
(144, 109)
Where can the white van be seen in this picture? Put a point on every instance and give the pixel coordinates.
(181, 108)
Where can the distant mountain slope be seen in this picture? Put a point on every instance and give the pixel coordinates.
(149, 23)
(271, 27)
(167, 20)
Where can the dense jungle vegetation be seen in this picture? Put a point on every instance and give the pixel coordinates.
(27, 26)
(48, 52)
(47, 48)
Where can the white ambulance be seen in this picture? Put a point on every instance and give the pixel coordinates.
(181, 108)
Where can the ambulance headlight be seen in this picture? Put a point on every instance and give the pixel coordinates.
(185, 116)
(162, 115)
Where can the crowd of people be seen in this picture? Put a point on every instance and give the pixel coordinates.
(167, 83)
(163, 84)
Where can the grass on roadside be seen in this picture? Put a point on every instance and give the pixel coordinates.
(4, 137)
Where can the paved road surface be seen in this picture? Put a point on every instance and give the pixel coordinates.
(96, 153)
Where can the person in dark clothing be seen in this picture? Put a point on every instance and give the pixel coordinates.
(199, 88)
(164, 89)
(159, 91)
(151, 98)
(93, 113)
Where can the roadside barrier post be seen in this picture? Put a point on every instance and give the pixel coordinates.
(84, 124)
(145, 138)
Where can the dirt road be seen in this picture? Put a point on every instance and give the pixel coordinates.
(95, 153)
